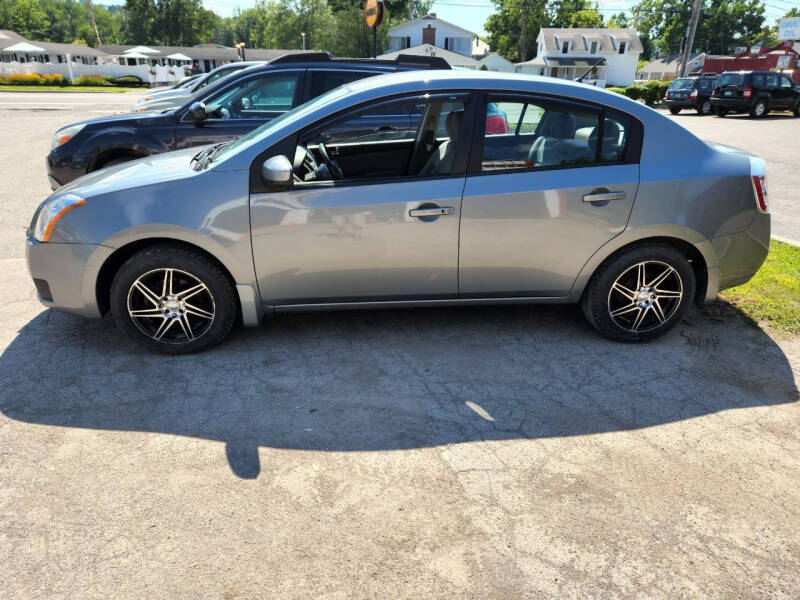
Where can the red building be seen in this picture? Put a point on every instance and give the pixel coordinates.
(769, 59)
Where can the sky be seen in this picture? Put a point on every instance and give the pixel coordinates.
(472, 14)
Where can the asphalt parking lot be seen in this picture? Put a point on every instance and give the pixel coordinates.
(442, 453)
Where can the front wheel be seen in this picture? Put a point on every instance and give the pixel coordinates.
(639, 294)
(173, 300)
(674, 110)
(704, 108)
(796, 109)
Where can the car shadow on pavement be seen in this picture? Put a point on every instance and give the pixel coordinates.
(386, 380)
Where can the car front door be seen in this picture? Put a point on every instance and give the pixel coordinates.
(241, 107)
(785, 91)
(543, 196)
(373, 213)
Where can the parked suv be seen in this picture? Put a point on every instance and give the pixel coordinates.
(755, 92)
(691, 92)
(223, 111)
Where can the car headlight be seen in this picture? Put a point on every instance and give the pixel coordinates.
(64, 135)
(51, 212)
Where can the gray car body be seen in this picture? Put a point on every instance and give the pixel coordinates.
(685, 193)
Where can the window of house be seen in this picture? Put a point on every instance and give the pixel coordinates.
(593, 49)
(546, 134)
(405, 42)
(565, 47)
(622, 47)
(449, 43)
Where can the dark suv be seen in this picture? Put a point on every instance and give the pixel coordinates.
(691, 92)
(755, 92)
(228, 108)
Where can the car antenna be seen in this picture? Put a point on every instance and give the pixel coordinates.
(589, 70)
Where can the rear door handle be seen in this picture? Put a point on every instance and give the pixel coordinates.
(603, 196)
(432, 212)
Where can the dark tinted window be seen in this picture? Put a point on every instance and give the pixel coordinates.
(786, 82)
(394, 121)
(758, 79)
(731, 79)
(325, 81)
(706, 84)
(773, 80)
(682, 84)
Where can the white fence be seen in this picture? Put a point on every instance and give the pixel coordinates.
(150, 75)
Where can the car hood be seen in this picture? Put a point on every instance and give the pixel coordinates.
(170, 166)
(123, 119)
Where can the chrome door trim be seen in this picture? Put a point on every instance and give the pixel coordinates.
(603, 196)
(322, 306)
(437, 211)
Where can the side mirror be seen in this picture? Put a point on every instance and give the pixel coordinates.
(276, 169)
(197, 111)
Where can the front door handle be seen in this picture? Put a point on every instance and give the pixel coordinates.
(432, 212)
(603, 196)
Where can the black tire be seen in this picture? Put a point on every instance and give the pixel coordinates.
(704, 108)
(721, 112)
(760, 109)
(674, 109)
(599, 300)
(187, 268)
(796, 109)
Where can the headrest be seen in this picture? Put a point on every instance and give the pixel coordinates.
(453, 124)
(562, 126)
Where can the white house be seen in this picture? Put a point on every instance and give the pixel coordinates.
(665, 68)
(432, 31)
(611, 54)
(456, 60)
(495, 62)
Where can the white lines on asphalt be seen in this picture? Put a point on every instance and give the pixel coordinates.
(479, 410)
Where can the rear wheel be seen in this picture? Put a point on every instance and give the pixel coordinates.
(674, 110)
(704, 108)
(721, 112)
(796, 109)
(640, 294)
(759, 109)
(173, 300)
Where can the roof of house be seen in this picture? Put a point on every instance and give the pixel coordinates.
(454, 58)
(583, 37)
(493, 56)
(424, 21)
(670, 63)
(200, 52)
(11, 38)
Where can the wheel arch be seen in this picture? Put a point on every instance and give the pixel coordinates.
(117, 258)
(699, 253)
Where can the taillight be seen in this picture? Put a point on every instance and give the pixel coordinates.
(748, 91)
(666, 94)
(758, 173)
(693, 94)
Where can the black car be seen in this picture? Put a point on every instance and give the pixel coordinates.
(224, 110)
(691, 92)
(755, 92)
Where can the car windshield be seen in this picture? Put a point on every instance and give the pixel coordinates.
(731, 79)
(681, 84)
(268, 128)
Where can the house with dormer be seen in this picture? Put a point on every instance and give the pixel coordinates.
(608, 57)
(431, 31)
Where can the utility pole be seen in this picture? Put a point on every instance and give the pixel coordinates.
(410, 10)
(691, 28)
(94, 25)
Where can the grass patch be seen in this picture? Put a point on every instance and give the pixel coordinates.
(773, 295)
(54, 88)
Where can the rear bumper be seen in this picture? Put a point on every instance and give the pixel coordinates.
(66, 274)
(681, 102)
(742, 254)
(740, 104)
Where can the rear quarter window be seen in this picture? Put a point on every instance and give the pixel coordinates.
(731, 79)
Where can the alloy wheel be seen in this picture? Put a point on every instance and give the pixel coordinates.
(705, 108)
(160, 307)
(645, 296)
(759, 109)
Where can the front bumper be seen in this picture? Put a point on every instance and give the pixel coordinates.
(62, 168)
(67, 273)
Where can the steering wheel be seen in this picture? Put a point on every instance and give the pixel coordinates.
(333, 168)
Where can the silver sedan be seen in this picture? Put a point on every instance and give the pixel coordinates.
(411, 189)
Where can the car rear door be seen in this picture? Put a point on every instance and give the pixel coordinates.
(542, 198)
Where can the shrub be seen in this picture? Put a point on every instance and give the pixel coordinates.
(128, 81)
(616, 90)
(634, 92)
(95, 80)
(23, 79)
(653, 91)
(54, 79)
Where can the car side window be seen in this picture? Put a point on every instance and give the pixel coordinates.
(540, 133)
(786, 82)
(758, 80)
(772, 80)
(264, 97)
(405, 138)
(325, 81)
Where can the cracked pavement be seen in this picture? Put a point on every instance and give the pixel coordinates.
(504, 452)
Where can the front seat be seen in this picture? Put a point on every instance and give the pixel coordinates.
(441, 161)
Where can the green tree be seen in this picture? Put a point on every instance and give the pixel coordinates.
(618, 21)
(587, 17)
(513, 28)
